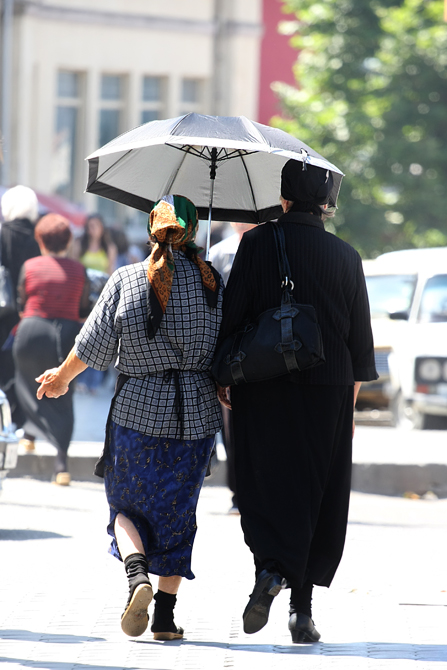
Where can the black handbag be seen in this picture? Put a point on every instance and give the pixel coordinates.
(7, 302)
(281, 340)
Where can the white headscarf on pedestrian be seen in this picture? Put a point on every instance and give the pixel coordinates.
(20, 202)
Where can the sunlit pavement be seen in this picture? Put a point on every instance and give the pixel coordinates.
(62, 594)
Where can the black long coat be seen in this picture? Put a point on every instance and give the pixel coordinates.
(17, 246)
(293, 435)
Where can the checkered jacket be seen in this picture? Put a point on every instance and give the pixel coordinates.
(185, 342)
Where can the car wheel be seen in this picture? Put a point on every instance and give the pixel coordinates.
(407, 417)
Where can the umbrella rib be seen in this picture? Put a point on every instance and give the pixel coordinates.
(190, 149)
(178, 167)
(249, 183)
(237, 153)
(98, 178)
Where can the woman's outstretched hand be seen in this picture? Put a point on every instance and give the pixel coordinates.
(223, 393)
(54, 382)
(51, 384)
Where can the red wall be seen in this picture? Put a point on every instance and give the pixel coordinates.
(277, 59)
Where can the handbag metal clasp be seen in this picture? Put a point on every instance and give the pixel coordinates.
(235, 358)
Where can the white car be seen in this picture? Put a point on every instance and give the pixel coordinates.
(408, 298)
(8, 440)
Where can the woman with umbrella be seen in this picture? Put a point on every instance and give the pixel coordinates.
(162, 317)
(293, 435)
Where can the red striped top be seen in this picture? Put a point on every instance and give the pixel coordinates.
(53, 287)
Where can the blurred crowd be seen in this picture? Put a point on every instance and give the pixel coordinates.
(53, 296)
(55, 272)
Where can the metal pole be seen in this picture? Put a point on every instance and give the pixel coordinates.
(212, 178)
(208, 236)
(8, 12)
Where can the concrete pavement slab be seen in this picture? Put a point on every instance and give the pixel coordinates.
(62, 594)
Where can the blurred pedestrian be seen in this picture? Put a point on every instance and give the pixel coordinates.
(127, 253)
(96, 251)
(53, 293)
(222, 256)
(293, 434)
(163, 316)
(20, 211)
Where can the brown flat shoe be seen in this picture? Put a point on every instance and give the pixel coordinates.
(62, 479)
(135, 618)
(169, 635)
(28, 445)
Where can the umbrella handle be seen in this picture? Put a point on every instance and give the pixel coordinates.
(212, 178)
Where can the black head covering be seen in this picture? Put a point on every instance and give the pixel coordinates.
(306, 183)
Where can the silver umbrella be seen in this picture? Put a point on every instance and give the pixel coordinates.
(230, 167)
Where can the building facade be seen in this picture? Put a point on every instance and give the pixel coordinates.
(76, 73)
(276, 60)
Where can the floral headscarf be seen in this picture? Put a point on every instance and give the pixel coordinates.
(173, 224)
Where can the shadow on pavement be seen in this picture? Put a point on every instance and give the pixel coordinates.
(26, 534)
(31, 636)
(57, 665)
(370, 649)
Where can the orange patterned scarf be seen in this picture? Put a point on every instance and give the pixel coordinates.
(173, 224)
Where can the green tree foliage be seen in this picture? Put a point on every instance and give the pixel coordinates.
(372, 98)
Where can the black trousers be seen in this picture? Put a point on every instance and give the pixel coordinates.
(8, 386)
(41, 344)
(293, 475)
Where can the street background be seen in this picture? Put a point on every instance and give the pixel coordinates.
(62, 594)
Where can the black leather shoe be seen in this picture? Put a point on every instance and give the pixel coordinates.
(302, 628)
(256, 614)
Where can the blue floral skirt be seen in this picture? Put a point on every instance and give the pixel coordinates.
(155, 482)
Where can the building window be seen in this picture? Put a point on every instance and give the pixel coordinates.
(153, 99)
(110, 112)
(191, 96)
(112, 96)
(66, 134)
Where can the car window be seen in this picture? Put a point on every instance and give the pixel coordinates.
(434, 300)
(390, 293)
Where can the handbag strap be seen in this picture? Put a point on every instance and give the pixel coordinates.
(283, 261)
(288, 309)
(285, 314)
(236, 356)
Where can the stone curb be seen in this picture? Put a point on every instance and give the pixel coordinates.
(379, 478)
(398, 479)
(40, 466)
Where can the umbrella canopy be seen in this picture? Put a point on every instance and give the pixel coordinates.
(242, 158)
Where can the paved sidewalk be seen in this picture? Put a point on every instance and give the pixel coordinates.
(61, 594)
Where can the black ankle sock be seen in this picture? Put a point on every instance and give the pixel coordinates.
(136, 569)
(163, 620)
(301, 599)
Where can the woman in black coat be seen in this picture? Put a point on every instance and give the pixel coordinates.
(293, 435)
(19, 207)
